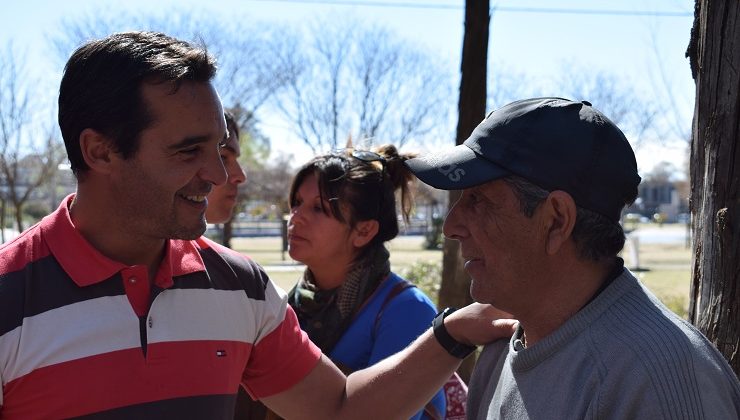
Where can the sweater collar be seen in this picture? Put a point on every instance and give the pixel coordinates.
(527, 358)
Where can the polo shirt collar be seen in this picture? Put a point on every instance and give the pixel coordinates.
(87, 266)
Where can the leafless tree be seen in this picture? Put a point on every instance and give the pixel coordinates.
(714, 53)
(335, 79)
(676, 120)
(347, 79)
(507, 84)
(455, 287)
(73, 32)
(311, 101)
(639, 116)
(636, 115)
(271, 182)
(247, 76)
(25, 161)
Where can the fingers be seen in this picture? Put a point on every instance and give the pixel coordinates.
(504, 327)
(498, 313)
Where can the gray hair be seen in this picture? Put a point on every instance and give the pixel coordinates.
(596, 236)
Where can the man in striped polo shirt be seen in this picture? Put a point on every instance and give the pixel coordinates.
(114, 306)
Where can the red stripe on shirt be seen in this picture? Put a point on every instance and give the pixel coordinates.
(23, 250)
(123, 378)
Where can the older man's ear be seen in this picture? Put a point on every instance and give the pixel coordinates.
(559, 213)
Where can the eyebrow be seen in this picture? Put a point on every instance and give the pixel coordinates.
(192, 141)
(188, 141)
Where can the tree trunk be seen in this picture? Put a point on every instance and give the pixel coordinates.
(714, 53)
(227, 232)
(19, 215)
(455, 287)
(2, 220)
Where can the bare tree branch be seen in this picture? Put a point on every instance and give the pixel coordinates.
(26, 163)
(636, 115)
(248, 75)
(351, 79)
(678, 123)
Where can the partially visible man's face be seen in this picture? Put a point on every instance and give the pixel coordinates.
(223, 198)
(498, 244)
(162, 189)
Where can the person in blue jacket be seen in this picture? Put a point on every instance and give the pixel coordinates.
(342, 211)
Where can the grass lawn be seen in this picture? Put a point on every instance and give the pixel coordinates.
(667, 275)
(405, 252)
(667, 267)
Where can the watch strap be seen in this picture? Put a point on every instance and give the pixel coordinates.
(454, 347)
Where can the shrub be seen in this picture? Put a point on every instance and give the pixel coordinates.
(433, 237)
(36, 210)
(426, 275)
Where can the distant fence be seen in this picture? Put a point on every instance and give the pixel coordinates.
(260, 228)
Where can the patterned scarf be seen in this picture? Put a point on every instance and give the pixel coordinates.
(326, 314)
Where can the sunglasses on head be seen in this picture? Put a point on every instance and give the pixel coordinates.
(368, 156)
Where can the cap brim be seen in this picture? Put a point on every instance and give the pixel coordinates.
(455, 169)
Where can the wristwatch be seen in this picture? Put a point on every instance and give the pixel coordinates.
(444, 338)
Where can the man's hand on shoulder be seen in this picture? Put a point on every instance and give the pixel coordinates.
(404, 381)
(479, 324)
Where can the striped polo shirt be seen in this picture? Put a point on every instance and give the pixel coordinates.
(78, 336)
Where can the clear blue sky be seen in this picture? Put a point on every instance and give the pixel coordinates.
(526, 36)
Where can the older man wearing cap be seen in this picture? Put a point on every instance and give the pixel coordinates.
(544, 182)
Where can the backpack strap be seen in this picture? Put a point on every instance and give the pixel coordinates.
(430, 410)
(395, 291)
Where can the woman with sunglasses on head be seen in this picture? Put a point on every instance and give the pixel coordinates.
(342, 211)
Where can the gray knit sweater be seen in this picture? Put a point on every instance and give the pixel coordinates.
(623, 356)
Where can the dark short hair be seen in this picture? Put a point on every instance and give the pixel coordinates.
(596, 236)
(356, 185)
(101, 86)
(231, 123)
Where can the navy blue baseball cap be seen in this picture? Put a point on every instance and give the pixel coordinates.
(555, 143)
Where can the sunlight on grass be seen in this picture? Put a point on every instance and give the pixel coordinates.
(670, 286)
(668, 266)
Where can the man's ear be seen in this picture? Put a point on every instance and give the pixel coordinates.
(97, 150)
(364, 232)
(560, 215)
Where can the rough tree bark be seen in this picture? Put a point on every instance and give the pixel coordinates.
(714, 53)
(455, 287)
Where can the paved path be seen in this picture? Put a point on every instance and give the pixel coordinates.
(668, 234)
